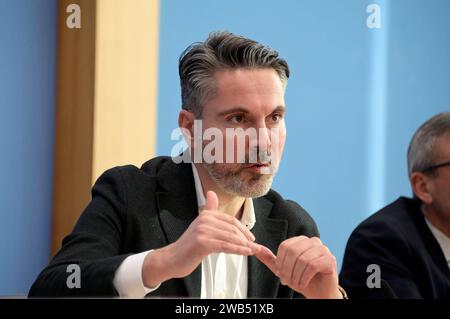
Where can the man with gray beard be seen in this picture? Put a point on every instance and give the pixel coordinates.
(206, 223)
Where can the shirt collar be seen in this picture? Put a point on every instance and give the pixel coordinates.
(442, 239)
(248, 218)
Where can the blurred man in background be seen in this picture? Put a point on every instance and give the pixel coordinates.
(407, 243)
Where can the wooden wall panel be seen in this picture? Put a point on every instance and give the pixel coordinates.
(106, 98)
(74, 118)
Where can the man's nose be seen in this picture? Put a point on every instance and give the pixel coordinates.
(263, 144)
(264, 139)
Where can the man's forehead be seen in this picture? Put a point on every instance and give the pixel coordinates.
(246, 89)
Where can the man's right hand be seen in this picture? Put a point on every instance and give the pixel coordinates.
(211, 232)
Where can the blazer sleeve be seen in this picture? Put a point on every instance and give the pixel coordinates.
(382, 244)
(94, 245)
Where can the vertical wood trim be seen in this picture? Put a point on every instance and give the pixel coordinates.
(74, 119)
(106, 99)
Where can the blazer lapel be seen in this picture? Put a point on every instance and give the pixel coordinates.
(177, 206)
(262, 283)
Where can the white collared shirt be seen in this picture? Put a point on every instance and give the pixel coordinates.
(223, 275)
(442, 239)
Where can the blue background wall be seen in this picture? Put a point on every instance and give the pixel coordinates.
(355, 97)
(27, 81)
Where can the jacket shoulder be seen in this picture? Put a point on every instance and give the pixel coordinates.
(294, 213)
(128, 172)
(394, 218)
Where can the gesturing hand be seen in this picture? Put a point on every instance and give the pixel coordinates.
(211, 232)
(305, 265)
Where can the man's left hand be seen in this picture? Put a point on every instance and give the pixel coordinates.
(305, 265)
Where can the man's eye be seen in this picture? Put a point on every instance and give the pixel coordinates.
(237, 119)
(276, 118)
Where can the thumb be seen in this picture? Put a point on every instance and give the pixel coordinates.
(212, 202)
(266, 256)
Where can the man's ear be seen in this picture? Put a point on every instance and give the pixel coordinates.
(420, 185)
(186, 124)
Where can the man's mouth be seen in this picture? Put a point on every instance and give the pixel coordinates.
(256, 165)
(258, 168)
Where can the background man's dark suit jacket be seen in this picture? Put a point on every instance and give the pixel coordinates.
(134, 210)
(398, 239)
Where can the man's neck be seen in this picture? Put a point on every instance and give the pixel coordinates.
(228, 204)
(436, 219)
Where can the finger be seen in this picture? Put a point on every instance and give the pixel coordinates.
(319, 265)
(220, 233)
(212, 202)
(301, 243)
(212, 205)
(231, 220)
(219, 246)
(289, 262)
(266, 256)
(302, 261)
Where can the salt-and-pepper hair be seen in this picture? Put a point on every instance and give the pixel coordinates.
(221, 51)
(421, 150)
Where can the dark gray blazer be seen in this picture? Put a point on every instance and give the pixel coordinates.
(398, 240)
(134, 210)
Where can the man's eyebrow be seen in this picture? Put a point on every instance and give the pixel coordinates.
(236, 109)
(279, 108)
(240, 109)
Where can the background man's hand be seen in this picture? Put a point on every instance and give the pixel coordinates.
(305, 265)
(211, 232)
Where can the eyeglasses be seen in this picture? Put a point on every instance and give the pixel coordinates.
(433, 167)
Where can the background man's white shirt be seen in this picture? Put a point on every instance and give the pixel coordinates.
(442, 239)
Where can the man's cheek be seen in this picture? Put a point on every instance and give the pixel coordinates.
(282, 138)
(278, 138)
